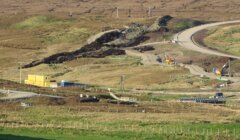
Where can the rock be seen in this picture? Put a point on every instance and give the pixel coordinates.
(105, 37)
(130, 36)
(144, 48)
(161, 22)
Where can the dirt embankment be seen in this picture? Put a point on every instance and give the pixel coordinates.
(108, 43)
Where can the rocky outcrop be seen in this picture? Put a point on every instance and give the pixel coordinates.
(105, 37)
(134, 34)
(160, 23)
(92, 50)
(108, 43)
(130, 36)
(144, 48)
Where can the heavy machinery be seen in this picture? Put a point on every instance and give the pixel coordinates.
(169, 60)
(224, 71)
(87, 98)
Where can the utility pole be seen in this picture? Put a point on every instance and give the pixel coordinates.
(20, 72)
(122, 83)
(229, 72)
(1, 75)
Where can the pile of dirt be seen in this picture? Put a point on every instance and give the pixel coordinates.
(107, 43)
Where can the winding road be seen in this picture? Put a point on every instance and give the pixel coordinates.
(185, 40)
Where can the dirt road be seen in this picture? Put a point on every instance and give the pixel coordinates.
(15, 95)
(149, 58)
(185, 40)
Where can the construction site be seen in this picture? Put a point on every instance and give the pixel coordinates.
(114, 70)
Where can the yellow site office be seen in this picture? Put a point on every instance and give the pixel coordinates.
(38, 80)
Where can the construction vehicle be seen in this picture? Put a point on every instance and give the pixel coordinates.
(169, 60)
(224, 71)
(87, 98)
(217, 72)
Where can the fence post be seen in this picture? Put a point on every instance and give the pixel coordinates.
(87, 125)
(117, 12)
(234, 133)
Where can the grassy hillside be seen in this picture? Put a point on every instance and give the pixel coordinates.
(32, 38)
(225, 39)
(164, 120)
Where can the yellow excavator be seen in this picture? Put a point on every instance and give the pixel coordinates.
(224, 71)
(169, 60)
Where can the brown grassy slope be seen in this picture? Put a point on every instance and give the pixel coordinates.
(207, 9)
(26, 45)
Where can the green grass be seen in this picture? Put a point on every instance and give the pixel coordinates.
(162, 97)
(224, 39)
(185, 24)
(52, 30)
(68, 35)
(151, 131)
(36, 22)
(50, 134)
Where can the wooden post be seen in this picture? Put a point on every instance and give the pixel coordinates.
(117, 12)
(234, 133)
(129, 13)
(149, 12)
(229, 72)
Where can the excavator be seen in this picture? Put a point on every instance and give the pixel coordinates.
(224, 71)
(169, 60)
